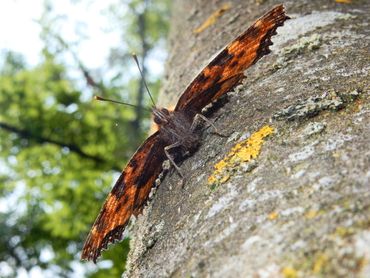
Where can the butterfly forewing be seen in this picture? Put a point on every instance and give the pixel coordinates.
(226, 70)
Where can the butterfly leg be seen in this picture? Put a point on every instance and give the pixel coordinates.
(170, 158)
(199, 117)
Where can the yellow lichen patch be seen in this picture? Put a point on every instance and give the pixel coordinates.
(273, 215)
(242, 152)
(344, 1)
(289, 272)
(344, 231)
(260, 2)
(212, 18)
(320, 263)
(360, 263)
(311, 214)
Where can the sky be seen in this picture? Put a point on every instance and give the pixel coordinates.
(20, 32)
(17, 27)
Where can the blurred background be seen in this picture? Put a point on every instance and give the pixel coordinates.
(60, 152)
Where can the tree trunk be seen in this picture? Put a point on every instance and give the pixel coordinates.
(301, 207)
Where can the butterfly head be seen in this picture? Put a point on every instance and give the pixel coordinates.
(161, 116)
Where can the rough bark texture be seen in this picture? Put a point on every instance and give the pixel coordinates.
(301, 208)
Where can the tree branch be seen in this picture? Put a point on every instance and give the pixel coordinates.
(90, 81)
(24, 133)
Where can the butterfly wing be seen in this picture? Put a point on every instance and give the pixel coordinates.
(127, 197)
(227, 69)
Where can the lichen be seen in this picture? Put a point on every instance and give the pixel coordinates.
(312, 214)
(273, 215)
(313, 128)
(338, 255)
(304, 44)
(289, 272)
(212, 18)
(311, 106)
(344, 1)
(154, 234)
(243, 152)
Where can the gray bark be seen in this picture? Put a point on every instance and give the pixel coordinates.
(301, 208)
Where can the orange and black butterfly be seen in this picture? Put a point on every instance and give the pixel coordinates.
(176, 131)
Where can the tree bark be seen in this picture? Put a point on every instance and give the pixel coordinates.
(301, 207)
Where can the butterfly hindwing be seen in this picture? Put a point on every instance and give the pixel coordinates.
(127, 197)
(226, 70)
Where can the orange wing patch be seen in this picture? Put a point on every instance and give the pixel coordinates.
(127, 197)
(226, 70)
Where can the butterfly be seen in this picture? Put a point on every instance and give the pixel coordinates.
(177, 132)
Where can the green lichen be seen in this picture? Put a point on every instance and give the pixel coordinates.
(312, 106)
(303, 45)
(347, 16)
(336, 255)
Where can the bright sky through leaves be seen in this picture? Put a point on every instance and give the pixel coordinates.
(19, 30)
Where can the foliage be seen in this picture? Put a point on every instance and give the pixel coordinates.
(60, 189)
(59, 155)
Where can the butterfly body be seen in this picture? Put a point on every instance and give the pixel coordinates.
(176, 127)
(177, 134)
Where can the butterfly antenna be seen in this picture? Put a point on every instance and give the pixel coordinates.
(116, 101)
(142, 76)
